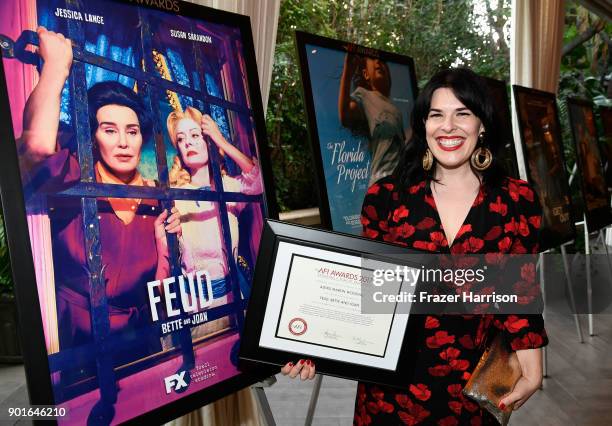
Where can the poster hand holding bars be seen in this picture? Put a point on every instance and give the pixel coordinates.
(133, 158)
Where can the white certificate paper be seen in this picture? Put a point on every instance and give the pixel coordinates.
(314, 308)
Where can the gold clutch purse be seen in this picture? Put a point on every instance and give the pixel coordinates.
(495, 376)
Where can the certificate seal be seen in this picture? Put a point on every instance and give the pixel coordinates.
(297, 326)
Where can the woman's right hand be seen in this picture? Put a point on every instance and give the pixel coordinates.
(55, 50)
(305, 368)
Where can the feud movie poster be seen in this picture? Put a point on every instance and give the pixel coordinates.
(358, 102)
(543, 151)
(138, 134)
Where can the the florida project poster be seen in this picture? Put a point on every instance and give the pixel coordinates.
(358, 101)
(138, 134)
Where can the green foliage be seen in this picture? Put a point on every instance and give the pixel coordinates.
(435, 33)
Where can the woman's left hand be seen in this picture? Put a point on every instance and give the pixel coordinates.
(165, 223)
(210, 129)
(531, 380)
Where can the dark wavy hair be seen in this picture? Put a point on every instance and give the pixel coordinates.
(472, 91)
(114, 93)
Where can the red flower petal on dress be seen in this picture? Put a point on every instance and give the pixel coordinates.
(364, 221)
(426, 223)
(440, 339)
(523, 226)
(494, 258)
(464, 229)
(518, 248)
(476, 421)
(535, 221)
(526, 193)
(466, 376)
(439, 370)
(459, 364)
(467, 341)
(388, 186)
(469, 405)
(473, 244)
(370, 233)
(455, 407)
(513, 324)
(431, 322)
(454, 390)
(498, 207)
(513, 191)
(405, 230)
(385, 407)
(450, 353)
(361, 393)
(374, 189)
(448, 421)
(511, 226)
(438, 238)
(403, 400)
(383, 225)
(370, 211)
(528, 271)
(504, 244)
(415, 415)
(395, 196)
(420, 391)
(373, 407)
(415, 188)
(529, 341)
(377, 393)
(430, 200)
(425, 245)
(400, 213)
(493, 233)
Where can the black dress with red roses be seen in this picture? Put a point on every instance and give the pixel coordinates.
(501, 220)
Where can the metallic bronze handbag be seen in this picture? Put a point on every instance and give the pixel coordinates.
(494, 377)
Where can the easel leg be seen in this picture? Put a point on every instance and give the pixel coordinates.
(587, 252)
(568, 282)
(543, 287)
(314, 398)
(262, 400)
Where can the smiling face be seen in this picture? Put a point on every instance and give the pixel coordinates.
(376, 73)
(451, 130)
(190, 144)
(119, 140)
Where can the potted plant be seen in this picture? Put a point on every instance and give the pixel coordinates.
(10, 350)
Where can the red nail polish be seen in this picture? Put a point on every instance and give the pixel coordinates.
(301, 361)
(309, 362)
(290, 364)
(502, 406)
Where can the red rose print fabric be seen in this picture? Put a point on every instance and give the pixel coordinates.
(502, 220)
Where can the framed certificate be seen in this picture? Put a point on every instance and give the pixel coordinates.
(313, 297)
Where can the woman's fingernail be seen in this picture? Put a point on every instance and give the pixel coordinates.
(308, 362)
(502, 406)
(290, 364)
(301, 361)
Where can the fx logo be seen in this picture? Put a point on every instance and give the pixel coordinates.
(176, 382)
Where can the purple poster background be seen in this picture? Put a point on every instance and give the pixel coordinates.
(135, 330)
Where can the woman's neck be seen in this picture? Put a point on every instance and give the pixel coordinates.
(200, 177)
(459, 177)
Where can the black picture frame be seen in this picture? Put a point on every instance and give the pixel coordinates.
(303, 40)
(31, 332)
(252, 354)
(595, 193)
(498, 89)
(558, 224)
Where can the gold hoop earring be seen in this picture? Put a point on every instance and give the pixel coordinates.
(485, 163)
(428, 160)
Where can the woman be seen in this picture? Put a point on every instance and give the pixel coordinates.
(369, 110)
(201, 218)
(449, 195)
(191, 170)
(132, 233)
